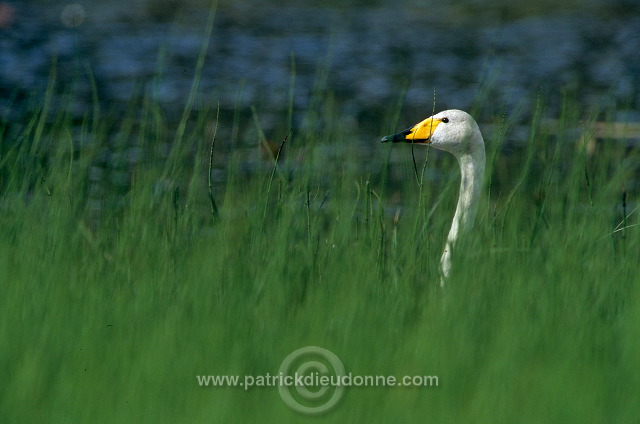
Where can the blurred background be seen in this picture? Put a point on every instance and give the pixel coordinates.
(493, 55)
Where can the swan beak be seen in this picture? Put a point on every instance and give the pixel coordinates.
(420, 133)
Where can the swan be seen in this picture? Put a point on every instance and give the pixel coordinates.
(456, 132)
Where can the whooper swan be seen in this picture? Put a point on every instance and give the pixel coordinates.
(456, 132)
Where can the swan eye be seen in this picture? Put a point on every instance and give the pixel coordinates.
(445, 120)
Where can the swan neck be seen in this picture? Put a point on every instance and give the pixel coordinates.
(471, 173)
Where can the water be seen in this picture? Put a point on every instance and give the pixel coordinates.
(369, 54)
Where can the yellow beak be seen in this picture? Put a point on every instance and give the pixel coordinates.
(420, 133)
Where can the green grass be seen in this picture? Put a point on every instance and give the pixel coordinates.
(108, 313)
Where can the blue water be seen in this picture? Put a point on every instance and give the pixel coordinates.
(367, 54)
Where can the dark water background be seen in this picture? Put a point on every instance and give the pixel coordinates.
(482, 51)
(491, 57)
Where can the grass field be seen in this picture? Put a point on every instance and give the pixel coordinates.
(110, 312)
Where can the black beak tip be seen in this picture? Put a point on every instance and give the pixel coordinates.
(398, 137)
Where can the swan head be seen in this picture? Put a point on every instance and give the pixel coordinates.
(454, 131)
